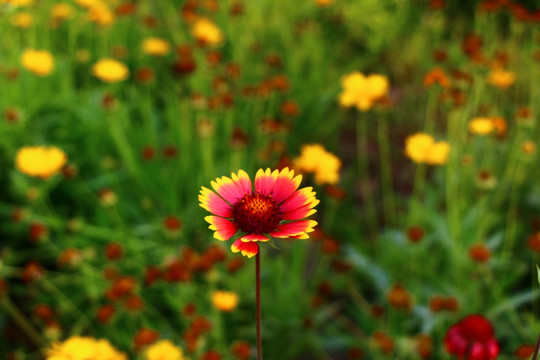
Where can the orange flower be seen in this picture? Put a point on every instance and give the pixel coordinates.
(480, 253)
(206, 32)
(501, 78)
(225, 300)
(436, 76)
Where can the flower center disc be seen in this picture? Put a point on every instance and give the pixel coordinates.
(256, 213)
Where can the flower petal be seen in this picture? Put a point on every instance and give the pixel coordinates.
(285, 185)
(300, 198)
(242, 181)
(227, 189)
(301, 213)
(254, 237)
(265, 180)
(224, 228)
(248, 249)
(211, 202)
(295, 228)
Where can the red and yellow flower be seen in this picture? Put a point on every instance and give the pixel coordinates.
(276, 207)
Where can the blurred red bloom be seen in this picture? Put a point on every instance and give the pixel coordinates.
(105, 313)
(241, 350)
(524, 352)
(472, 338)
(144, 337)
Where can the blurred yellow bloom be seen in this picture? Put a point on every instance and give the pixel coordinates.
(207, 32)
(422, 148)
(83, 348)
(528, 147)
(315, 159)
(101, 14)
(40, 161)
(438, 155)
(61, 11)
(501, 78)
(156, 46)
(23, 20)
(110, 70)
(164, 350)
(89, 3)
(362, 91)
(40, 62)
(481, 126)
(224, 300)
(324, 2)
(417, 146)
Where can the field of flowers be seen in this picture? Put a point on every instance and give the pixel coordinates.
(315, 179)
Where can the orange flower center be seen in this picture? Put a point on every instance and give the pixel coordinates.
(256, 213)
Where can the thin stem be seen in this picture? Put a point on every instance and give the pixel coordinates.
(23, 323)
(386, 172)
(362, 157)
(258, 303)
(536, 348)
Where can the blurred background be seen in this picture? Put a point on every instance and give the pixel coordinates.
(414, 121)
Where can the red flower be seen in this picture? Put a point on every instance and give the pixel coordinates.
(276, 207)
(472, 339)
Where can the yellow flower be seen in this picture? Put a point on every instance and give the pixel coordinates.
(481, 126)
(40, 161)
(324, 2)
(417, 147)
(164, 350)
(88, 3)
(207, 32)
(23, 20)
(528, 147)
(422, 148)
(501, 78)
(110, 70)
(100, 14)
(225, 300)
(40, 62)
(438, 154)
(362, 91)
(105, 351)
(83, 348)
(61, 11)
(325, 165)
(156, 46)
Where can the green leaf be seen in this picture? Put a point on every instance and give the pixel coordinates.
(538, 273)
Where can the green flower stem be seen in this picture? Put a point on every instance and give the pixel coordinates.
(122, 145)
(22, 321)
(363, 174)
(386, 172)
(511, 220)
(66, 302)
